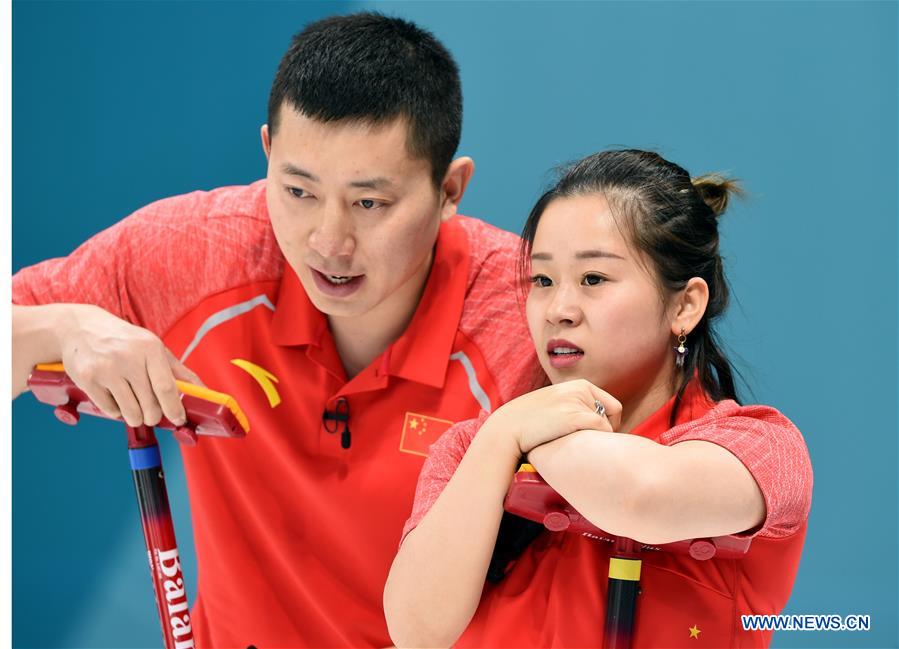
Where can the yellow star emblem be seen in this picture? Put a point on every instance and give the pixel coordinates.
(420, 431)
(694, 632)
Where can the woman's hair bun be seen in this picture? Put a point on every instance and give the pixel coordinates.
(715, 191)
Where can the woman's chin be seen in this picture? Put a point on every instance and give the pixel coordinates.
(562, 374)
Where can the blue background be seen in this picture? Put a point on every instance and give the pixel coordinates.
(118, 104)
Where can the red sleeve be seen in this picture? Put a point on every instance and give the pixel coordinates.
(155, 265)
(92, 274)
(444, 457)
(771, 448)
(493, 316)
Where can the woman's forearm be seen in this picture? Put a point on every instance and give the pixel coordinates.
(598, 474)
(438, 575)
(631, 486)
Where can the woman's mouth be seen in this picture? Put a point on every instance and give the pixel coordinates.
(562, 353)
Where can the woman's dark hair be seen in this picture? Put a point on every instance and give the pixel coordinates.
(673, 220)
(374, 68)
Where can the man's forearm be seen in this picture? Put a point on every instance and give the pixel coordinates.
(35, 339)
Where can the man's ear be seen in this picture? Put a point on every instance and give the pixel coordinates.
(690, 305)
(454, 183)
(266, 141)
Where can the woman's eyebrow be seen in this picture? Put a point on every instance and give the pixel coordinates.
(593, 254)
(581, 254)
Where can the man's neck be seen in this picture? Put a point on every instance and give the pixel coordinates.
(359, 343)
(360, 340)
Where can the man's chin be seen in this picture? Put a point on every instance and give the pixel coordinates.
(337, 307)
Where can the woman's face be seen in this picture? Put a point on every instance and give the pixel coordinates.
(594, 310)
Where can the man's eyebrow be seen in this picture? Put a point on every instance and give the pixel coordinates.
(293, 170)
(581, 254)
(373, 183)
(380, 182)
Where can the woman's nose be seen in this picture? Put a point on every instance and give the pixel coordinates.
(564, 308)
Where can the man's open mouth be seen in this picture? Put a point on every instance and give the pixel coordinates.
(339, 279)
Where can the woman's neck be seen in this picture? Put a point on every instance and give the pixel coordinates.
(637, 407)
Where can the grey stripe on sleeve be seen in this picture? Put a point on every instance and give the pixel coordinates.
(476, 390)
(222, 317)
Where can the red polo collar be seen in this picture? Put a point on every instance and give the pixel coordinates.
(422, 352)
(694, 404)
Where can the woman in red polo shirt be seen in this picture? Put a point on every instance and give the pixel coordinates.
(626, 282)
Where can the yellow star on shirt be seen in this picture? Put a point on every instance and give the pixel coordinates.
(694, 632)
(413, 423)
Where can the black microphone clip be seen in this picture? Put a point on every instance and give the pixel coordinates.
(341, 413)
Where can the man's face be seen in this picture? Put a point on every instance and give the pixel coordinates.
(355, 216)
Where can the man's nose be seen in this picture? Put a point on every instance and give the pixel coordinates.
(333, 236)
(564, 308)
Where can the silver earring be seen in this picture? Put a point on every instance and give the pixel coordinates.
(680, 352)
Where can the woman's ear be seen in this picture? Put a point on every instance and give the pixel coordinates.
(690, 305)
(454, 183)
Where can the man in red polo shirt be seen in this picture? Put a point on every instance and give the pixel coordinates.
(350, 311)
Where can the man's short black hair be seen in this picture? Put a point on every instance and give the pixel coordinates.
(374, 68)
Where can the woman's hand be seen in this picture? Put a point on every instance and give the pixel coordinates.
(555, 411)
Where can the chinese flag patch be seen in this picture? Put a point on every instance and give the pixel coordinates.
(420, 431)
